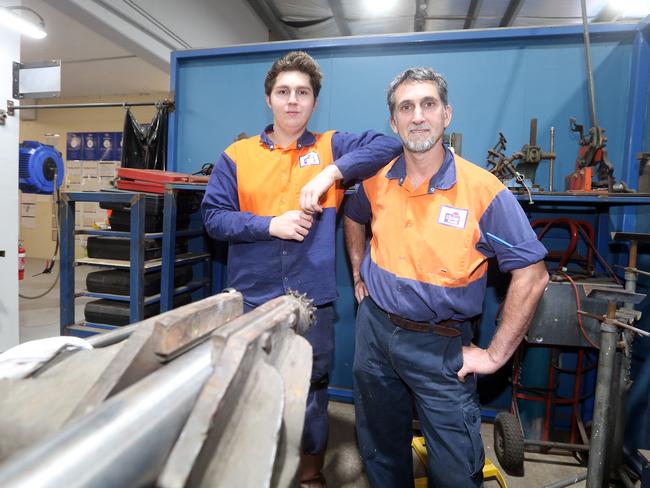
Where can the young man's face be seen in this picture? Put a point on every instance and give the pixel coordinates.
(419, 118)
(292, 101)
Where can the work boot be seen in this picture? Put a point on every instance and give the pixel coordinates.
(310, 471)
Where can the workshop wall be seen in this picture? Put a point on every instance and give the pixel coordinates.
(494, 85)
(37, 232)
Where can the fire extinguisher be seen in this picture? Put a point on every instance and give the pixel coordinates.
(21, 260)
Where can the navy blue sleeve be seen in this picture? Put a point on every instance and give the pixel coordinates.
(359, 156)
(358, 207)
(506, 233)
(220, 208)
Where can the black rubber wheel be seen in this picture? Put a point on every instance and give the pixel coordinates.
(509, 444)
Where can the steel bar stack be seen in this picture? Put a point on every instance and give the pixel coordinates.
(198, 396)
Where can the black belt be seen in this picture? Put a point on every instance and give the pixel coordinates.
(444, 328)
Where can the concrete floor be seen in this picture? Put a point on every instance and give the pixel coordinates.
(343, 469)
(343, 466)
(40, 317)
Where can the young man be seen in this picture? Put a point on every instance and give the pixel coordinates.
(436, 219)
(264, 198)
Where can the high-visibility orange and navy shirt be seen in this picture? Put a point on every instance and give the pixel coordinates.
(254, 180)
(427, 258)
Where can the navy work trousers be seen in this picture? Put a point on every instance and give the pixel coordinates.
(321, 337)
(395, 369)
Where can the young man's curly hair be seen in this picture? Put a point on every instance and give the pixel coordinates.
(295, 61)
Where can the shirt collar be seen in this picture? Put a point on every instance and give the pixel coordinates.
(306, 139)
(444, 179)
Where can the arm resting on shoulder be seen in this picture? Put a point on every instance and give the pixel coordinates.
(356, 157)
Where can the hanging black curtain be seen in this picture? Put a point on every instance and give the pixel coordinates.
(144, 146)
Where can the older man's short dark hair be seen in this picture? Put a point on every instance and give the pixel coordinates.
(420, 74)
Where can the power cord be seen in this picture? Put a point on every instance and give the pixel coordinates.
(49, 265)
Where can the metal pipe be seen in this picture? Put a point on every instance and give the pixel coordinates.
(533, 132)
(125, 441)
(557, 445)
(92, 105)
(601, 429)
(630, 276)
(590, 75)
(551, 160)
(112, 337)
(568, 482)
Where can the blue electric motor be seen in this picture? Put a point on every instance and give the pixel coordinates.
(37, 165)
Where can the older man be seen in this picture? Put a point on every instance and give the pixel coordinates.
(436, 219)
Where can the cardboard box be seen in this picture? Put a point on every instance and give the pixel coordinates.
(87, 220)
(28, 210)
(27, 222)
(89, 184)
(72, 171)
(106, 182)
(74, 145)
(76, 163)
(44, 199)
(73, 179)
(89, 172)
(88, 207)
(107, 168)
(27, 197)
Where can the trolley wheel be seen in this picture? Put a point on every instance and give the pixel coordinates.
(509, 443)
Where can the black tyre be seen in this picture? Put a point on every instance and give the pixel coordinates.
(509, 443)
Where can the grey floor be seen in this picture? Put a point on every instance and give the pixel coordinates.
(40, 318)
(343, 467)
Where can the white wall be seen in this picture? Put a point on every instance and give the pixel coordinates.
(9, 52)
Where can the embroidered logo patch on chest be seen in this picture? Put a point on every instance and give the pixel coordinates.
(453, 217)
(309, 159)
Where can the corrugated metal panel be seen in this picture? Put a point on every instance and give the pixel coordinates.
(363, 17)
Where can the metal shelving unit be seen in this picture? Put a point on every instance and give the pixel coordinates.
(136, 264)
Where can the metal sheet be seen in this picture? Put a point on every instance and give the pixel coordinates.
(556, 324)
(264, 335)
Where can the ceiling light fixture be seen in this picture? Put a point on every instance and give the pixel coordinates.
(17, 23)
(379, 6)
(632, 8)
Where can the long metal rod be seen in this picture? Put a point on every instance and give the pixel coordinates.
(91, 105)
(568, 482)
(125, 441)
(601, 430)
(590, 75)
(557, 445)
(112, 337)
(551, 161)
(472, 13)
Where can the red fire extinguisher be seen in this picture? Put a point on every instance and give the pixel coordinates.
(21, 260)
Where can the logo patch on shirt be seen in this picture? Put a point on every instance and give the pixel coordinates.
(453, 217)
(309, 159)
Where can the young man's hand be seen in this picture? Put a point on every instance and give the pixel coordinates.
(316, 187)
(291, 225)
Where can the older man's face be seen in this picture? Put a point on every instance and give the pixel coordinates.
(419, 118)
